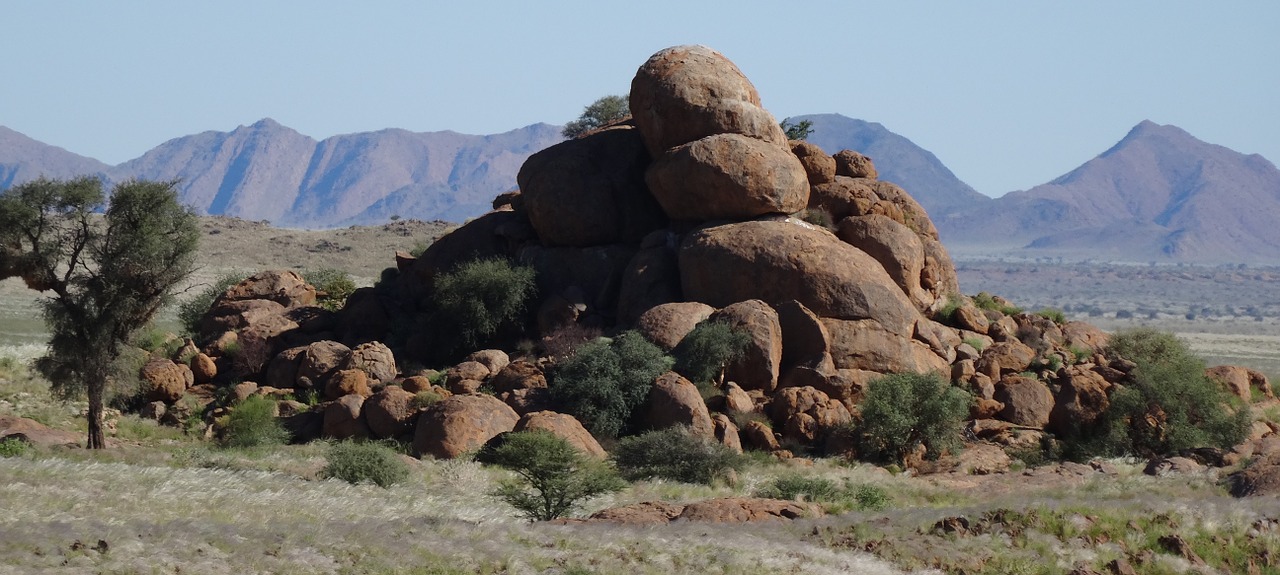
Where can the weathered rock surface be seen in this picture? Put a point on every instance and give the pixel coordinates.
(390, 413)
(460, 424)
(164, 380)
(758, 365)
(1026, 401)
(746, 510)
(342, 418)
(684, 93)
(665, 325)
(728, 177)
(819, 166)
(867, 345)
(779, 261)
(564, 426)
(375, 360)
(673, 401)
(854, 165)
(895, 246)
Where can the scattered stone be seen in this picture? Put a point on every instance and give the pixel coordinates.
(460, 424)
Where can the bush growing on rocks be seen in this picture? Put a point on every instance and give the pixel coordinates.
(335, 285)
(604, 381)
(253, 423)
(1170, 405)
(677, 455)
(553, 477)
(703, 353)
(356, 462)
(904, 411)
(479, 297)
(832, 496)
(190, 311)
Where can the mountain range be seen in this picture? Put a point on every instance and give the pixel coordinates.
(1158, 195)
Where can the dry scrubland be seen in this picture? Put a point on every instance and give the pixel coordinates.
(161, 502)
(165, 502)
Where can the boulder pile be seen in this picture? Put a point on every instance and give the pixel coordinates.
(696, 208)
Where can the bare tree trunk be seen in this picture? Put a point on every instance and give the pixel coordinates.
(97, 440)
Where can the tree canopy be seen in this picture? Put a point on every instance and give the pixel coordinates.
(106, 275)
(601, 112)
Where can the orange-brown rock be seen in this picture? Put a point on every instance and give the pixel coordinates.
(528, 400)
(867, 345)
(473, 371)
(282, 370)
(651, 278)
(758, 365)
(1260, 478)
(35, 433)
(1026, 401)
(342, 418)
(792, 400)
(286, 288)
(726, 432)
(416, 383)
(969, 317)
(164, 380)
(519, 374)
(1232, 378)
(791, 260)
(375, 360)
(244, 390)
(347, 382)
(390, 413)
(1081, 335)
(590, 191)
(665, 325)
(684, 93)
(1005, 357)
(728, 177)
(736, 400)
(320, 360)
(759, 436)
(854, 165)
(746, 510)
(564, 426)
(643, 513)
(818, 165)
(673, 401)
(804, 337)
(494, 359)
(1082, 397)
(895, 246)
(801, 428)
(203, 369)
(460, 424)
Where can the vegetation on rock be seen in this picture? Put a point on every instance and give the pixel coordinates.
(904, 412)
(253, 423)
(552, 477)
(605, 380)
(676, 455)
(481, 296)
(600, 112)
(702, 355)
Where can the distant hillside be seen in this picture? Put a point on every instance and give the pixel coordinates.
(270, 172)
(1157, 195)
(897, 160)
(23, 159)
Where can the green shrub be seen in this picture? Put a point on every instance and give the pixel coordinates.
(481, 296)
(903, 411)
(426, 398)
(553, 477)
(985, 300)
(190, 311)
(1053, 314)
(819, 217)
(13, 447)
(702, 355)
(1170, 406)
(252, 423)
(357, 462)
(605, 380)
(334, 286)
(975, 343)
(676, 455)
(947, 313)
(832, 496)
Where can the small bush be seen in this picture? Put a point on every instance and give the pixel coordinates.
(985, 300)
(426, 399)
(190, 311)
(334, 286)
(1053, 314)
(832, 496)
(13, 447)
(975, 343)
(605, 380)
(553, 477)
(676, 455)
(903, 411)
(1170, 406)
(818, 217)
(947, 313)
(481, 296)
(702, 355)
(359, 462)
(252, 423)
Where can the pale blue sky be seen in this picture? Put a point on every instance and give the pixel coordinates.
(1006, 94)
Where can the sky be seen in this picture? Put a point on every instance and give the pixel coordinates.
(1006, 94)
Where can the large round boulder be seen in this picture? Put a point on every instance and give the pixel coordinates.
(684, 93)
(666, 324)
(1026, 401)
(390, 413)
(460, 424)
(286, 288)
(728, 177)
(590, 190)
(819, 166)
(779, 261)
(867, 345)
(895, 246)
(758, 365)
(321, 360)
(673, 400)
(566, 427)
(652, 277)
(164, 380)
(375, 360)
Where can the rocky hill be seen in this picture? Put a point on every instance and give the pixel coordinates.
(1159, 194)
(23, 159)
(898, 160)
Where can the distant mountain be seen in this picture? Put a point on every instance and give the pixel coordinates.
(23, 159)
(897, 160)
(1159, 194)
(268, 171)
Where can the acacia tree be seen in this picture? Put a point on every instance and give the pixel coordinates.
(600, 112)
(105, 277)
